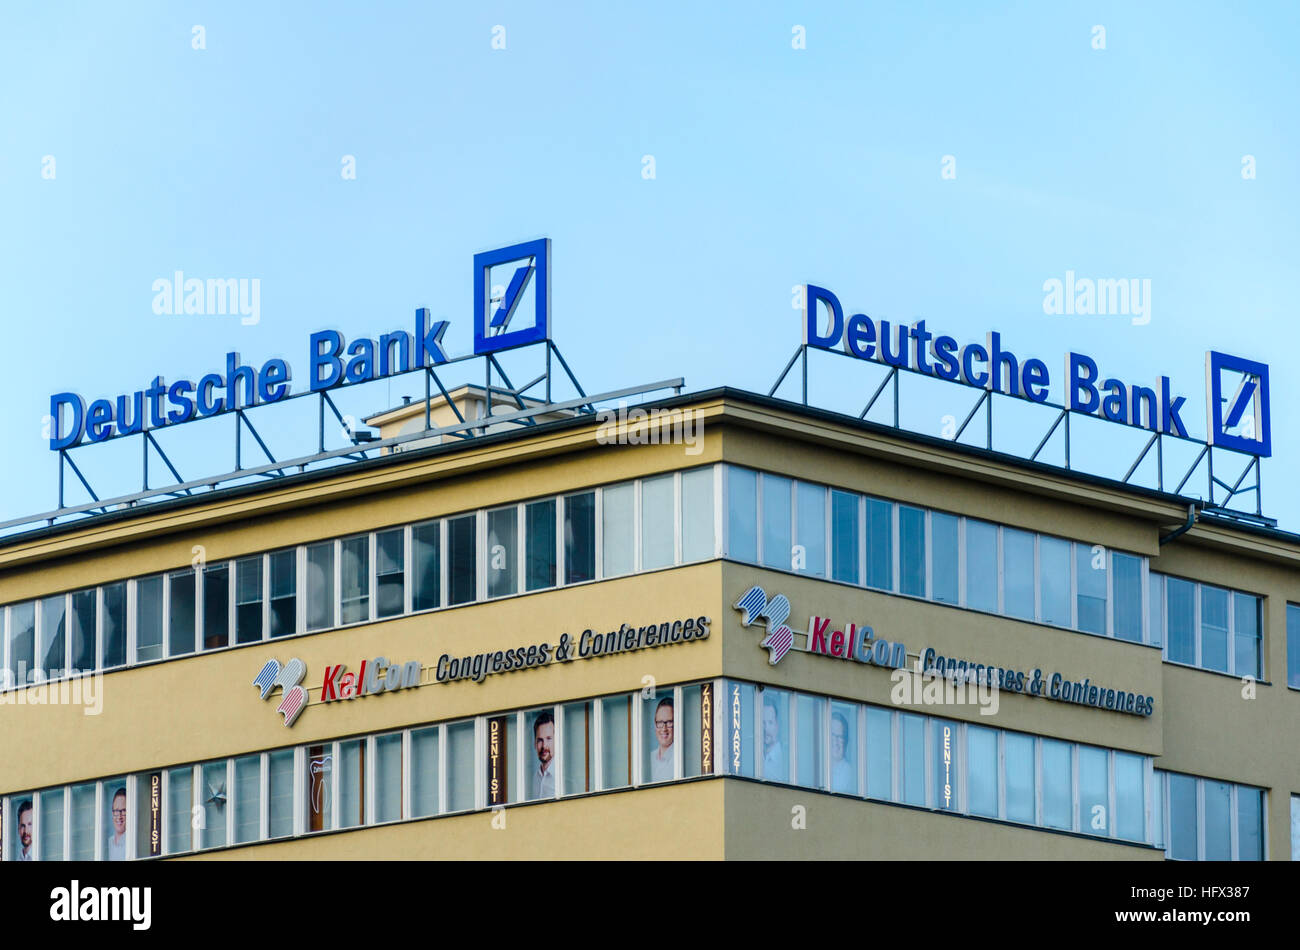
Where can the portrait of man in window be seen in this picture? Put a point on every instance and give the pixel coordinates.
(661, 759)
(544, 745)
(844, 776)
(25, 830)
(773, 751)
(116, 850)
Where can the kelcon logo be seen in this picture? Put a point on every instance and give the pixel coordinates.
(286, 678)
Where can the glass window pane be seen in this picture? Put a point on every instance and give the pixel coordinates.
(947, 765)
(390, 573)
(1094, 785)
(1245, 619)
(1019, 754)
(180, 810)
(354, 578)
(148, 619)
(114, 632)
(424, 772)
(742, 514)
(82, 826)
(981, 565)
(20, 847)
(502, 552)
(659, 715)
(114, 823)
(982, 771)
(320, 586)
(912, 754)
(739, 751)
(214, 796)
(1214, 629)
(1090, 576)
(697, 708)
(844, 537)
(319, 782)
(81, 646)
(1250, 824)
(616, 530)
(1156, 603)
(248, 600)
(248, 798)
(1130, 796)
(180, 613)
(1128, 596)
(657, 522)
(388, 777)
(1018, 573)
(1058, 784)
(911, 551)
(352, 783)
(776, 735)
(460, 766)
(1218, 820)
(880, 544)
(880, 754)
(1292, 648)
(53, 651)
(22, 643)
(462, 566)
(616, 713)
(426, 546)
(943, 557)
(844, 748)
(284, 593)
(811, 518)
(539, 547)
(216, 607)
(1180, 617)
(51, 841)
(579, 538)
(1182, 817)
(776, 522)
(280, 792)
(810, 745)
(1054, 580)
(577, 748)
(542, 753)
(697, 514)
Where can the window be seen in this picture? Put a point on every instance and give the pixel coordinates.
(880, 544)
(695, 709)
(982, 771)
(320, 586)
(284, 593)
(248, 799)
(462, 566)
(776, 522)
(1054, 580)
(810, 715)
(424, 772)
(1018, 751)
(280, 792)
(738, 714)
(944, 554)
(319, 785)
(114, 819)
(1127, 581)
(811, 516)
(657, 521)
(426, 543)
(844, 537)
(577, 748)
(352, 783)
(539, 545)
(212, 827)
(911, 736)
(616, 742)
(22, 643)
(579, 538)
(1293, 649)
(354, 579)
(390, 573)
(946, 771)
(742, 509)
(181, 592)
(981, 565)
(880, 754)
(617, 534)
(1245, 639)
(542, 753)
(659, 743)
(1182, 817)
(1018, 573)
(1058, 784)
(844, 748)
(503, 552)
(388, 777)
(248, 599)
(52, 635)
(81, 803)
(1094, 790)
(1156, 605)
(697, 514)
(81, 643)
(1090, 578)
(216, 607)
(1250, 824)
(114, 625)
(1218, 820)
(1130, 796)
(51, 825)
(502, 776)
(775, 733)
(460, 766)
(911, 551)
(1214, 629)
(180, 813)
(1180, 615)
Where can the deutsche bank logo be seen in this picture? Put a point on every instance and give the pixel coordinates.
(1240, 405)
(495, 313)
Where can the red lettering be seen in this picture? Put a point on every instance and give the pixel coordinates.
(328, 687)
(361, 679)
(347, 686)
(852, 651)
(817, 642)
(837, 643)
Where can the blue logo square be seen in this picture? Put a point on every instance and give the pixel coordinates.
(1245, 405)
(492, 318)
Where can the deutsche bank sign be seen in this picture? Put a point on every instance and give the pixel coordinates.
(332, 360)
(1237, 418)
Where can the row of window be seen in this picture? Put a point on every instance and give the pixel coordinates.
(722, 727)
(642, 525)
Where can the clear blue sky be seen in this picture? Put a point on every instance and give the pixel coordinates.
(773, 166)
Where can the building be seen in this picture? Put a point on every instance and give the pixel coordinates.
(376, 659)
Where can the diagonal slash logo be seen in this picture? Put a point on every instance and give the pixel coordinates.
(753, 605)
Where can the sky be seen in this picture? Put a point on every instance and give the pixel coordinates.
(692, 164)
